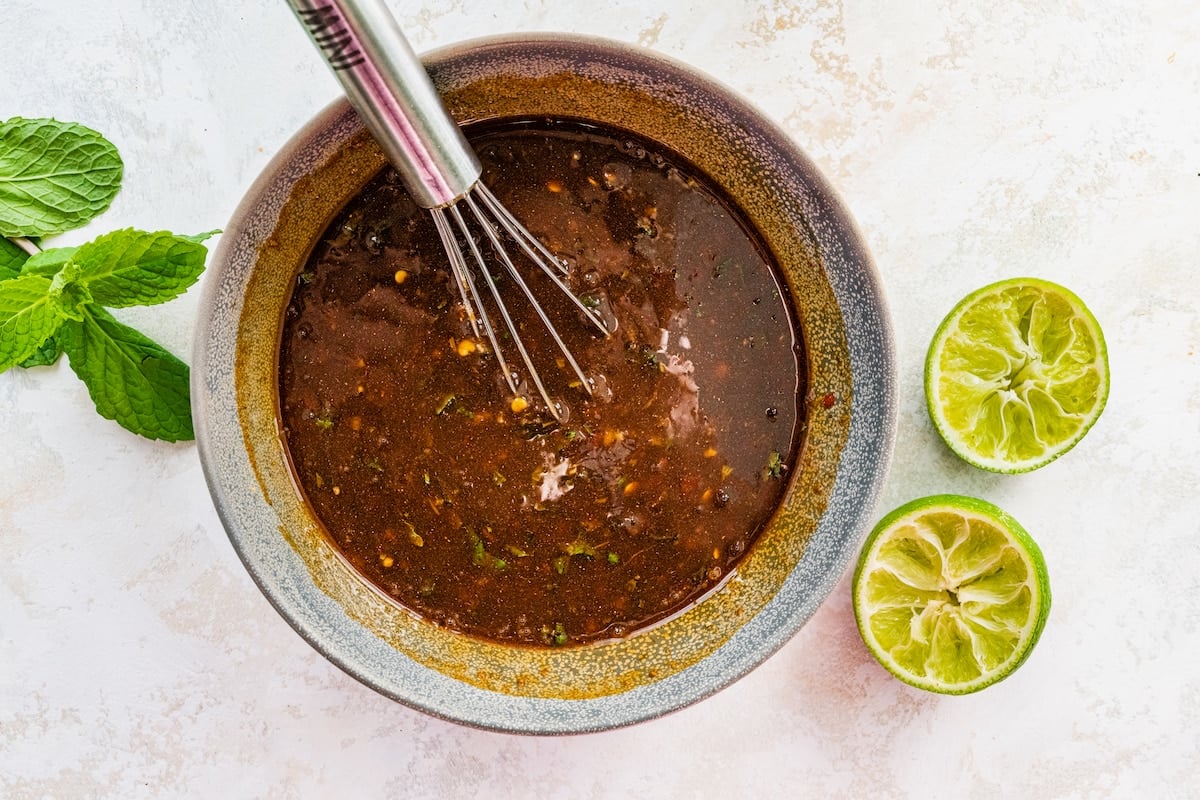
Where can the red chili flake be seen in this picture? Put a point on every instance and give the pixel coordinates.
(828, 400)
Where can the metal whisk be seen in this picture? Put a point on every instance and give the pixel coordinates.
(389, 88)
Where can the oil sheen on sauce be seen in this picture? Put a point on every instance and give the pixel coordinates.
(505, 524)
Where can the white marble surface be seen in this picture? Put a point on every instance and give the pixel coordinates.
(972, 140)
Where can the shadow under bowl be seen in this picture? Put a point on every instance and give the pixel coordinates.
(795, 562)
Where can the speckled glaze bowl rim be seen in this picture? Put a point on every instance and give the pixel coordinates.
(281, 576)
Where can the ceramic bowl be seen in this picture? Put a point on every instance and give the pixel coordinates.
(791, 568)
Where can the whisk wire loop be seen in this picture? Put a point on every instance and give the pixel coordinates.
(458, 266)
(537, 252)
(514, 229)
(476, 311)
(458, 232)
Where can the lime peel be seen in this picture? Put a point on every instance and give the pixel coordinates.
(950, 594)
(1016, 375)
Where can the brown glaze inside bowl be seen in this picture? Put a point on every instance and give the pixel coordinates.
(613, 90)
(514, 525)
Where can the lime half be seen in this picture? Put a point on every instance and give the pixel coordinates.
(950, 594)
(1016, 375)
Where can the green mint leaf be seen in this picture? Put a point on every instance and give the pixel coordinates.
(11, 259)
(130, 267)
(68, 292)
(580, 548)
(45, 355)
(775, 466)
(131, 378)
(199, 238)
(48, 262)
(28, 317)
(54, 176)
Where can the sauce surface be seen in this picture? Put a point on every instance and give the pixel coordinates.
(498, 521)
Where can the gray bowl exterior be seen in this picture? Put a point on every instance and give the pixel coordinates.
(285, 579)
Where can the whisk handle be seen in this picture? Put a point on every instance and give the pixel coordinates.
(390, 89)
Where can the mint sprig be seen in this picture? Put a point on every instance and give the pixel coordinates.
(130, 378)
(131, 268)
(55, 176)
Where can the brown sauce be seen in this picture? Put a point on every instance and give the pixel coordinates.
(506, 525)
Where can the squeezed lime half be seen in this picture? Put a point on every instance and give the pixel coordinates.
(1016, 374)
(950, 594)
